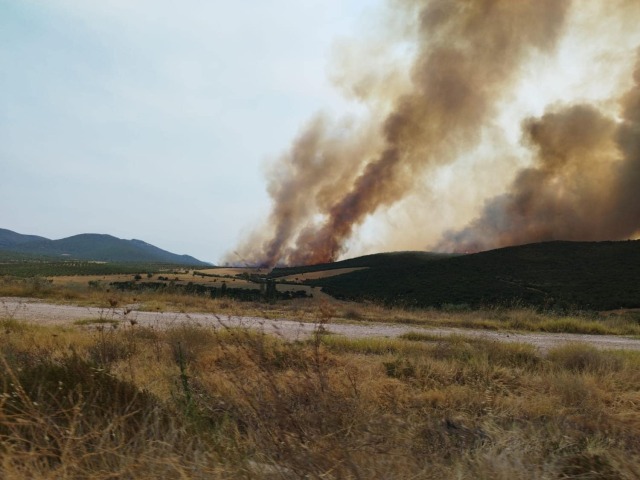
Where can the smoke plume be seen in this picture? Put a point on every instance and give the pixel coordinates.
(585, 183)
(469, 57)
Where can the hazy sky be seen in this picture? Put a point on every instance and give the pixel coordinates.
(154, 119)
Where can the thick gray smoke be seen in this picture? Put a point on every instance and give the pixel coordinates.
(469, 57)
(585, 184)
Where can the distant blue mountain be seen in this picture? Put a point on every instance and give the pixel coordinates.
(92, 246)
(10, 239)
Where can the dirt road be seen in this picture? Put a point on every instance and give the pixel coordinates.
(38, 312)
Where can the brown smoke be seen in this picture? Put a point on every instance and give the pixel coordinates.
(585, 184)
(469, 54)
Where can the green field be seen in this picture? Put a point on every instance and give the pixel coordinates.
(48, 268)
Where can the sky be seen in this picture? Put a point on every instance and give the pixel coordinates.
(184, 124)
(154, 119)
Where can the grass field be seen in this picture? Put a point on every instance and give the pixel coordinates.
(76, 290)
(107, 400)
(191, 402)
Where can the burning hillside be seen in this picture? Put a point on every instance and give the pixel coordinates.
(501, 123)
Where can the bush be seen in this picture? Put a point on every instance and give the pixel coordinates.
(110, 347)
(584, 358)
(51, 399)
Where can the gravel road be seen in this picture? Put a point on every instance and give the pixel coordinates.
(42, 313)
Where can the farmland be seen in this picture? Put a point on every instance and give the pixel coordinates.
(49, 268)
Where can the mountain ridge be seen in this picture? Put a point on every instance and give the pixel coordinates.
(92, 246)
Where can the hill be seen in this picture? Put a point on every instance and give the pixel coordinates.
(90, 246)
(9, 239)
(376, 260)
(584, 275)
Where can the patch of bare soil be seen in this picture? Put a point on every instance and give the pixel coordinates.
(35, 311)
(220, 271)
(301, 277)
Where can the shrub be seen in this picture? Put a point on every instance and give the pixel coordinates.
(110, 347)
(584, 358)
(51, 399)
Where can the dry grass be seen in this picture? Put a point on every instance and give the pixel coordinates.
(311, 309)
(233, 271)
(301, 277)
(513, 319)
(192, 402)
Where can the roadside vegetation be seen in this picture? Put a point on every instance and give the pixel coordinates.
(104, 401)
(98, 293)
